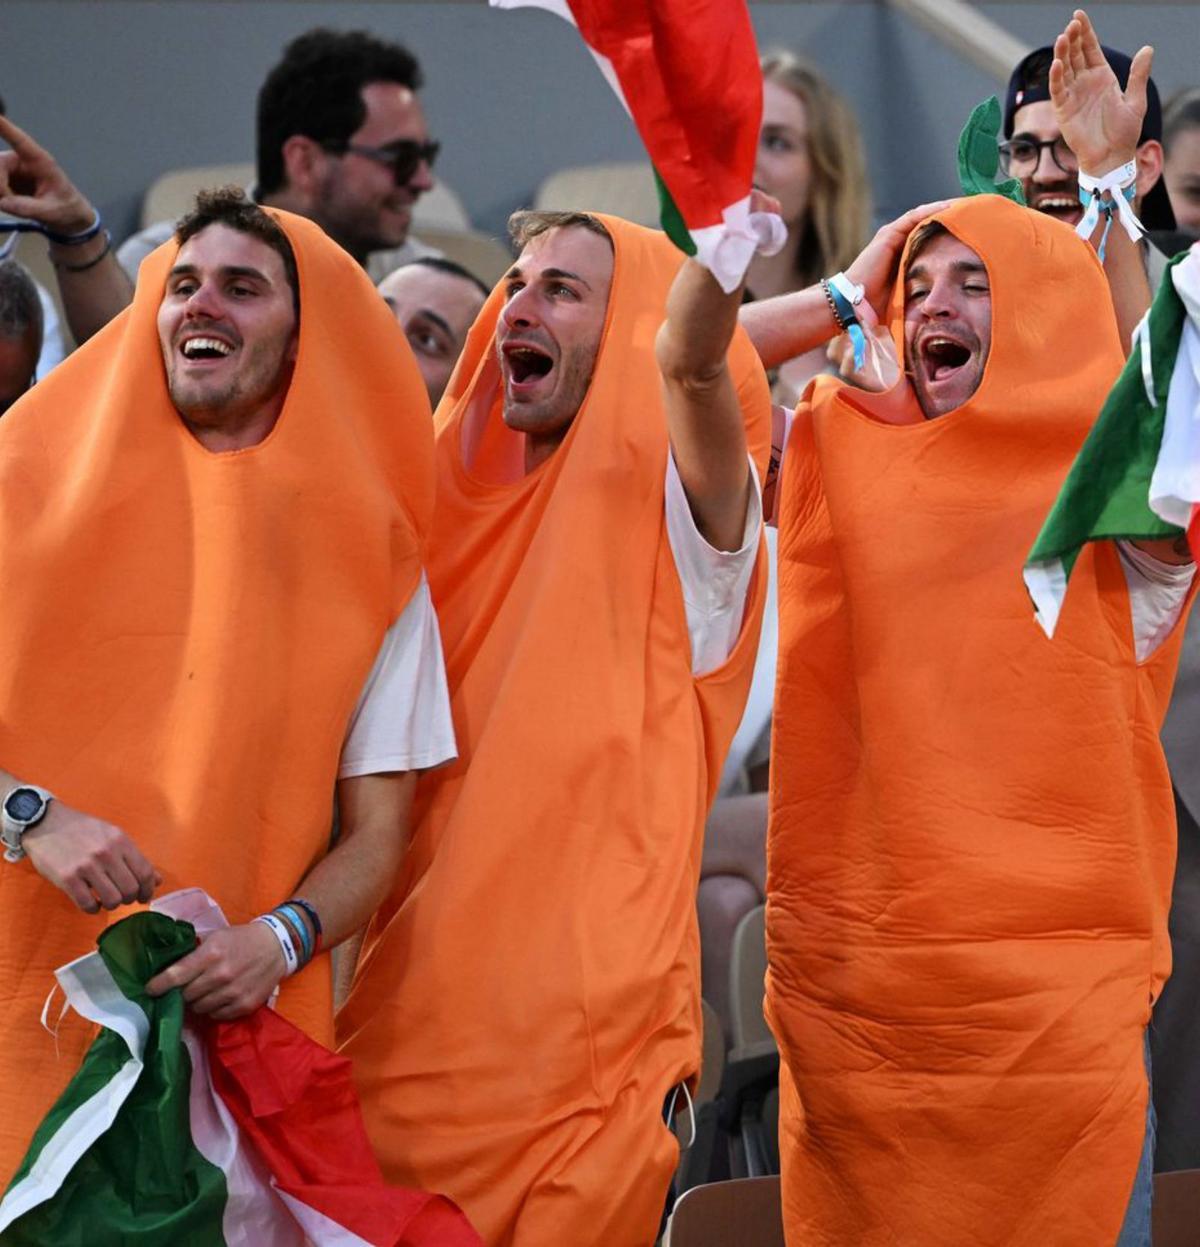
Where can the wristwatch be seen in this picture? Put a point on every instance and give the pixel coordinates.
(24, 806)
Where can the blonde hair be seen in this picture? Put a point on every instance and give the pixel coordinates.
(836, 226)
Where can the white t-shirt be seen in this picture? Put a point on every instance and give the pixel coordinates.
(714, 582)
(402, 721)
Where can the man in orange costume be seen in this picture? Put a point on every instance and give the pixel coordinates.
(529, 994)
(211, 528)
(972, 835)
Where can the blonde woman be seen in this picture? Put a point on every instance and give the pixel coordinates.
(810, 158)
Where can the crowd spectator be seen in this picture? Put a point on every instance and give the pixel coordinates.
(342, 140)
(161, 583)
(810, 158)
(435, 302)
(36, 191)
(20, 332)
(1181, 166)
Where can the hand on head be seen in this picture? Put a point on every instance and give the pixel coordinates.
(877, 264)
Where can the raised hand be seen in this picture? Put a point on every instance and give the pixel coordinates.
(1100, 123)
(96, 864)
(34, 186)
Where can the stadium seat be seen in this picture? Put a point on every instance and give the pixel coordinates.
(1176, 1208)
(626, 190)
(745, 1213)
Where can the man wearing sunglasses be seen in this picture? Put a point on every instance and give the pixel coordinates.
(341, 139)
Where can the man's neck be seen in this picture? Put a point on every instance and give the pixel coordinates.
(221, 436)
(539, 448)
(290, 201)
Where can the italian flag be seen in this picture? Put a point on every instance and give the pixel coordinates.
(180, 1131)
(687, 73)
(1137, 476)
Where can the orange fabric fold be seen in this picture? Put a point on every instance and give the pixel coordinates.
(972, 833)
(531, 991)
(185, 634)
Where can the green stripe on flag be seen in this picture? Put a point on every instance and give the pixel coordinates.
(672, 219)
(1106, 494)
(142, 1182)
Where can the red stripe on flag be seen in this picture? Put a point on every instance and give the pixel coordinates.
(690, 75)
(295, 1102)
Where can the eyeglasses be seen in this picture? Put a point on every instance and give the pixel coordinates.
(403, 157)
(1020, 157)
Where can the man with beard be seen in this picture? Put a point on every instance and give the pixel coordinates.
(972, 838)
(341, 139)
(211, 527)
(528, 996)
(1046, 158)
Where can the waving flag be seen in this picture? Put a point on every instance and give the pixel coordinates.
(687, 73)
(1138, 474)
(177, 1131)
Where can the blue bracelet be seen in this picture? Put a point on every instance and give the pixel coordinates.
(311, 911)
(295, 920)
(849, 318)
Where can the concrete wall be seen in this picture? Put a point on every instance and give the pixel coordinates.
(122, 90)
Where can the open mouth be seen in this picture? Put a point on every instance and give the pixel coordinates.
(943, 357)
(1066, 207)
(205, 348)
(526, 364)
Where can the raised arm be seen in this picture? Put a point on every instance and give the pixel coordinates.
(235, 971)
(704, 418)
(1101, 125)
(33, 186)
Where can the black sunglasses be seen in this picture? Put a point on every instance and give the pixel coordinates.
(403, 157)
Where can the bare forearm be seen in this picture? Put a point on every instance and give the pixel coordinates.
(348, 884)
(92, 293)
(699, 326)
(788, 325)
(1125, 269)
(704, 417)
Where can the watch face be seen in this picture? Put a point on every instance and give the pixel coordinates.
(23, 804)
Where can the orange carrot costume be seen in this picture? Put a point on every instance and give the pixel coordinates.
(185, 634)
(531, 992)
(972, 833)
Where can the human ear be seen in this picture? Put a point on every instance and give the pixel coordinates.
(1149, 159)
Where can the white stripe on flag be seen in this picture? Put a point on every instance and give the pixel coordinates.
(92, 991)
(253, 1213)
(322, 1231)
(1175, 484)
(563, 10)
(1047, 585)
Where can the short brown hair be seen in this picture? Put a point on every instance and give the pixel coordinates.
(923, 236)
(529, 223)
(228, 206)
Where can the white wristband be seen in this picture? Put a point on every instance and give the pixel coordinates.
(1115, 181)
(850, 291)
(279, 929)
